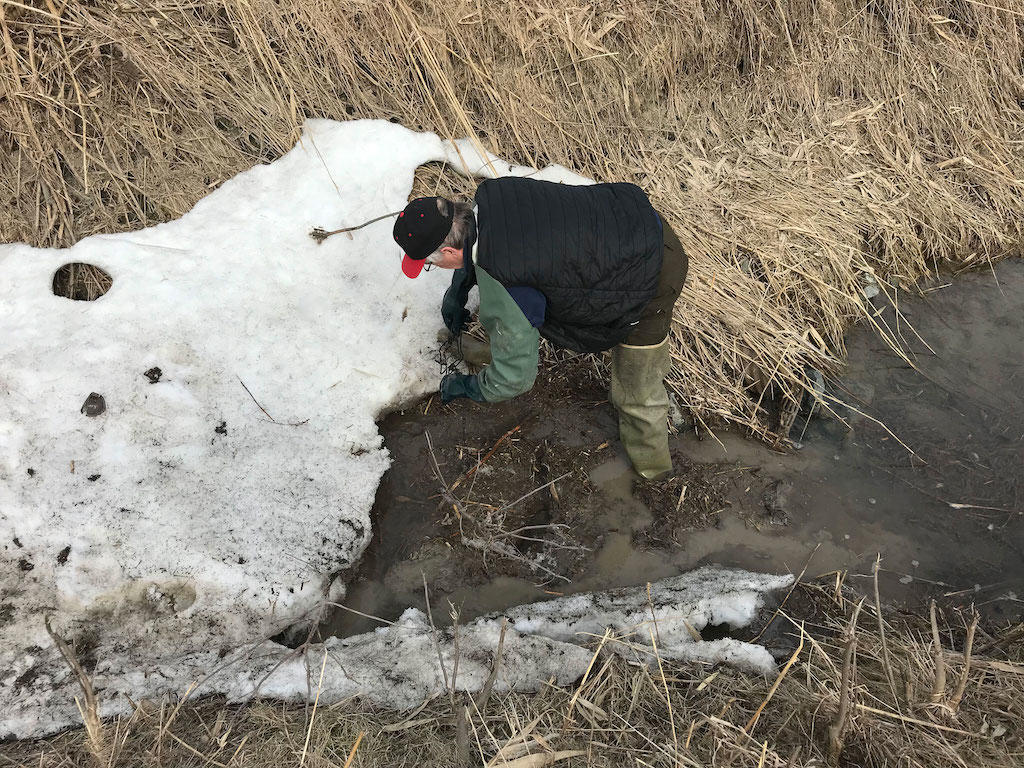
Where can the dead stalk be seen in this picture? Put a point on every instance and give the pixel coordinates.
(958, 695)
(939, 681)
(485, 693)
(837, 731)
(89, 706)
(886, 663)
(437, 641)
(778, 681)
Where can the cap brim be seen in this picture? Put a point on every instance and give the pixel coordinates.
(412, 267)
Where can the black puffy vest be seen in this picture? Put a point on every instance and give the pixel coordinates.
(594, 252)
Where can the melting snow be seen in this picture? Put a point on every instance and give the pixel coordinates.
(208, 507)
(399, 666)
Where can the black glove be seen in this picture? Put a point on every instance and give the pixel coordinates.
(456, 385)
(453, 306)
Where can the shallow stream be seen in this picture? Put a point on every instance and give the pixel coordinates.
(937, 492)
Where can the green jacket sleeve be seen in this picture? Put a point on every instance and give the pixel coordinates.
(514, 341)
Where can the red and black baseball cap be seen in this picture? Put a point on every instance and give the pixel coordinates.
(419, 231)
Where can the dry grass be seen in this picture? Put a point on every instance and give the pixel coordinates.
(794, 144)
(622, 715)
(81, 282)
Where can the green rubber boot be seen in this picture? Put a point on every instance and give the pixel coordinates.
(638, 394)
(475, 352)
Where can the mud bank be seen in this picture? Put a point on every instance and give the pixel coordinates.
(920, 465)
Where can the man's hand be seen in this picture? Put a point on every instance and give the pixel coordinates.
(456, 385)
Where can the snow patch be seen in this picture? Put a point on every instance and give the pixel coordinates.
(672, 614)
(398, 666)
(229, 477)
(183, 516)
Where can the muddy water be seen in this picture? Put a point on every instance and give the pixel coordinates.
(937, 492)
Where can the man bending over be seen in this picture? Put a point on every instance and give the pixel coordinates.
(589, 268)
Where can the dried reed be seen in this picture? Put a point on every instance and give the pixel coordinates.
(797, 147)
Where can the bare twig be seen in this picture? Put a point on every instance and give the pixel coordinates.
(487, 455)
(796, 583)
(319, 234)
(285, 423)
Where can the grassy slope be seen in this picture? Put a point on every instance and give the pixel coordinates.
(795, 144)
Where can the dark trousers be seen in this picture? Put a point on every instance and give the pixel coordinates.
(657, 316)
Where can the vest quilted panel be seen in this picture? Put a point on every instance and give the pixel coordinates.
(593, 251)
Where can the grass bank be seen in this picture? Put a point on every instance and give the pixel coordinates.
(797, 146)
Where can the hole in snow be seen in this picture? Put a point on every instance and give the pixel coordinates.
(716, 632)
(81, 282)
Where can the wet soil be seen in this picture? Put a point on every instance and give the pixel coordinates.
(920, 464)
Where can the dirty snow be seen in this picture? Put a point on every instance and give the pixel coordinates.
(184, 517)
(669, 615)
(398, 666)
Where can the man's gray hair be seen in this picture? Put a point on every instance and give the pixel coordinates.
(462, 217)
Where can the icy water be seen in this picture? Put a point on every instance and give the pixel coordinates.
(937, 493)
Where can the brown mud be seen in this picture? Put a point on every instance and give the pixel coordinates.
(921, 464)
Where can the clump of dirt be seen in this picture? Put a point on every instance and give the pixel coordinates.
(691, 499)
